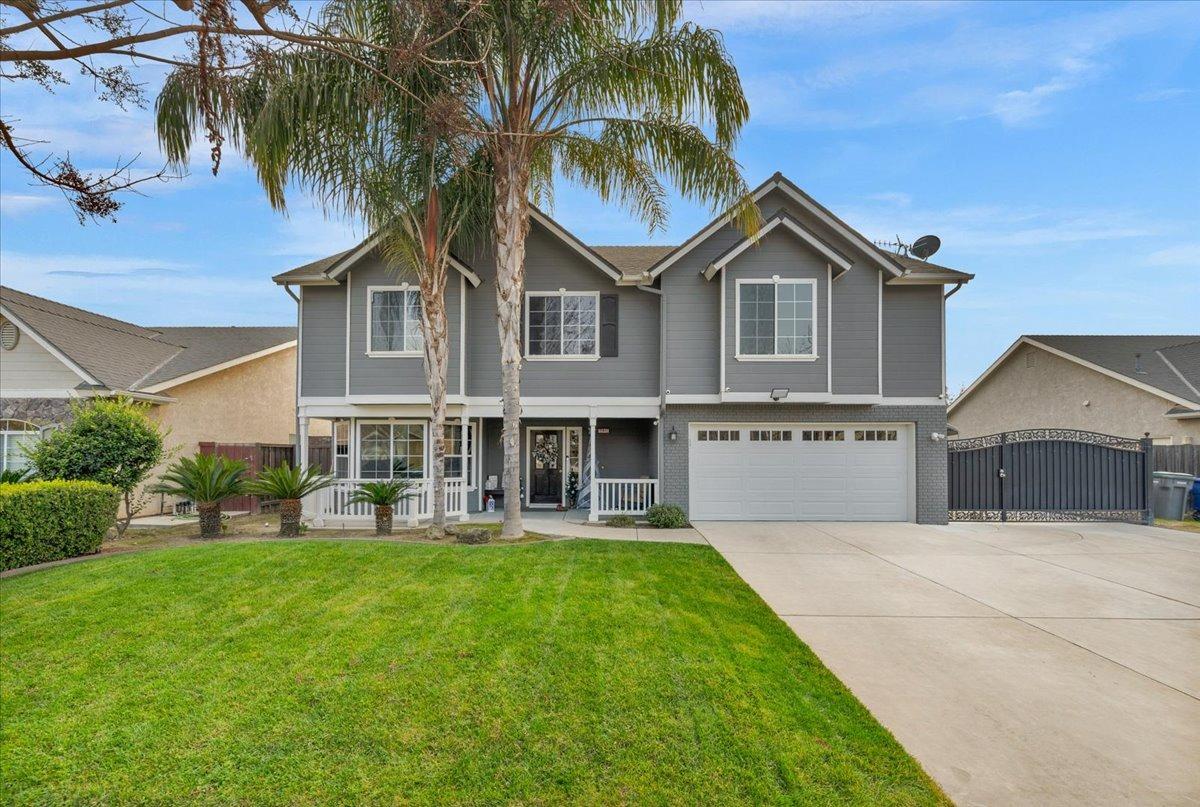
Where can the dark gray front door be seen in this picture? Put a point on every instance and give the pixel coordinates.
(545, 457)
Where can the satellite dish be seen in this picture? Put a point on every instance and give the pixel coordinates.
(925, 246)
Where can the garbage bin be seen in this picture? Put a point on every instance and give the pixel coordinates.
(1196, 499)
(1171, 494)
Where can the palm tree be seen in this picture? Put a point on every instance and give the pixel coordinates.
(383, 496)
(358, 130)
(206, 479)
(610, 94)
(289, 484)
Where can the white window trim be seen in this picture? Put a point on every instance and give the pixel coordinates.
(563, 357)
(7, 434)
(384, 354)
(470, 458)
(737, 320)
(427, 452)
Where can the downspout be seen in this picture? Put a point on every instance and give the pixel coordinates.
(662, 372)
(294, 296)
(950, 293)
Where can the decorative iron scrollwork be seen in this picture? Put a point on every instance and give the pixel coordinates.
(1074, 436)
(974, 515)
(1129, 516)
(973, 443)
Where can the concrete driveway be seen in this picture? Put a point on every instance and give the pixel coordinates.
(1020, 663)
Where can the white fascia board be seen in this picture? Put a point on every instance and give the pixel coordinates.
(364, 249)
(1185, 415)
(315, 280)
(38, 393)
(1062, 354)
(803, 233)
(49, 347)
(926, 279)
(216, 368)
(777, 182)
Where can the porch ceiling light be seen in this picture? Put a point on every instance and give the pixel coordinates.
(779, 393)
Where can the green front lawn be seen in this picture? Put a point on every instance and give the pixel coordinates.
(337, 672)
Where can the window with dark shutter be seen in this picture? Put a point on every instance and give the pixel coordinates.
(608, 325)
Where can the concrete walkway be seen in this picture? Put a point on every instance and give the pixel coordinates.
(1021, 664)
(574, 524)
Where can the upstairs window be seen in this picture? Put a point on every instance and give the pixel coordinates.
(562, 325)
(776, 319)
(395, 319)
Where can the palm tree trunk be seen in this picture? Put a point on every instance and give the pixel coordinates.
(437, 362)
(210, 519)
(512, 221)
(383, 519)
(289, 518)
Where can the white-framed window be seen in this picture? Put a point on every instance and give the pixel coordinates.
(776, 319)
(876, 435)
(15, 437)
(771, 435)
(460, 453)
(562, 325)
(394, 321)
(718, 435)
(341, 449)
(391, 450)
(823, 436)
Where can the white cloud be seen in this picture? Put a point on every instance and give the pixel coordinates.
(1187, 255)
(1163, 94)
(776, 17)
(15, 204)
(306, 233)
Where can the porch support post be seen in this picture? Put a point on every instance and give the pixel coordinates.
(592, 514)
(465, 433)
(310, 506)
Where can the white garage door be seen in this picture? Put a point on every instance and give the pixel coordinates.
(801, 472)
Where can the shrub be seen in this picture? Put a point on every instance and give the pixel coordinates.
(666, 517)
(289, 485)
(621, 521)
(383, 496)
(206, 479)
(11, 476)
(42, 521)
(108, 440)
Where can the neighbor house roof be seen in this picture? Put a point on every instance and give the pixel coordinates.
(1165, 365)
(629, 264)
(116, 355)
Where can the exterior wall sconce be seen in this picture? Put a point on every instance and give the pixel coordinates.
(673, 435)
(937, 437)
(779, 393)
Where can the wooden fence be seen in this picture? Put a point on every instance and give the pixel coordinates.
(256, 456)
(1183, 459)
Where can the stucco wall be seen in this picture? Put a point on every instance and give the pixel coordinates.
(1049, 391)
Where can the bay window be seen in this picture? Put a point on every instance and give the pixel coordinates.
(776, 319)
(460, 451)
(394, 317)
(562, 325)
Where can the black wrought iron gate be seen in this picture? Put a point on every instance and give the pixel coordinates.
(1050, 475)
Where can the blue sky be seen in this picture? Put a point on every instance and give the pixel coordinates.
(1053, 147)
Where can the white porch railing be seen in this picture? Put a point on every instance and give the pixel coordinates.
(631, 497)
(333, 503)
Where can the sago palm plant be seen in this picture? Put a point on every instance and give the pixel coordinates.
(289, 484)
(383, 496)
(206, 479)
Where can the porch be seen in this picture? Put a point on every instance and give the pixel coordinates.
(593, 466)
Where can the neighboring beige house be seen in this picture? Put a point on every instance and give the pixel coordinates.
(218, 384)
(1122, 385)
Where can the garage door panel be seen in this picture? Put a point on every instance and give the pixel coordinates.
(797, 479)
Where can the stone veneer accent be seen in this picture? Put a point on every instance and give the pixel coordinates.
(931, 455)
(39, 411)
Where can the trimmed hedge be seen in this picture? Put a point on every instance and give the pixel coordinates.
(42, 521)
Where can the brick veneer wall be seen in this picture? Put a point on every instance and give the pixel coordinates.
(931, 454)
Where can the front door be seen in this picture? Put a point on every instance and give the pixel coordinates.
(546, 459)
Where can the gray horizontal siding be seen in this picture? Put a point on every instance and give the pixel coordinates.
(912, 341)
(693, 314)
(551, 265)
(323, 341)
(780, 253)
(373, 375)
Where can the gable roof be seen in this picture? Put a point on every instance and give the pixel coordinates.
(629, 264)
(115, 355)
(787, 222)
(1169, 365)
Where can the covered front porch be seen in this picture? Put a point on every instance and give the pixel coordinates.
(594, 465)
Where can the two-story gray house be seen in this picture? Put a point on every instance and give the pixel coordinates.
(798, 376)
